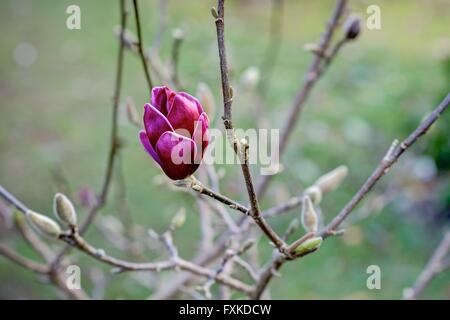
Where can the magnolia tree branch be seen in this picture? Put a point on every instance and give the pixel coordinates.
(114, 142)
(435, 265)
(140, 45)
(241, 149)
(73, 238)
(23, 261)
(56, 275)
(394, 152)
(313, 74)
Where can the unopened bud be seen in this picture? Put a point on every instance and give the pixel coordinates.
(214, 12)
(179, 219)
(314, 193)
(352, 27)
(308, 246)
(206, 98)
(250, 78)
(43, 224)
(64, 210)
(309, 216)
(178, 33)
(331, 180)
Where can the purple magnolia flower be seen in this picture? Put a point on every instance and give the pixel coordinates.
(176, 132)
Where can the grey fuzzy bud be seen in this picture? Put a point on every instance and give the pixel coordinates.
(331, 180)
(314, 193)
(64, 209)
(309, 216)
(179, 219)
(43, 224)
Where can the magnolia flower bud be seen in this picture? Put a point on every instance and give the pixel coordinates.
(176, 132)
(179, 219)
(206, 99)
(352, 27)
(64, 210)
(250, 78)
(331, 180)
(178, 34)
(43, 224)
(309, 216)
(314, 193)
(309, 245)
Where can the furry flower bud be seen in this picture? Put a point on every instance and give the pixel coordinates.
(331, 180)
(314, 193)
(43, 224)
(309, 216)
(179, 219)
(64, 210)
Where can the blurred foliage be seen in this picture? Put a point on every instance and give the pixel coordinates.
(56, 113)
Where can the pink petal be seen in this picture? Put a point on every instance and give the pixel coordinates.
(148, 147)
(183, 113)
(160, 98)
(201, 136)
(155, 123)
(177, 155)
(194, 100)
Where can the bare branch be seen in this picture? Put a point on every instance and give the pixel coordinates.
(435, 265)
(22, 261)
(388, 160)
(383, 167)
(74, 239)
(240, 150)
(312, 75)
(140, 45)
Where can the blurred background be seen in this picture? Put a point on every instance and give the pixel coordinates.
(56, 88)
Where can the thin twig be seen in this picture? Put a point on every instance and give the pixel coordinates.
(53, 271)
(200, 188)
(140, 45)
(434, 266)
(394, 152)
(312, 75)
(114, 142)
(74, 239)
(383, 167)
(23, 261)
(240, 150)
